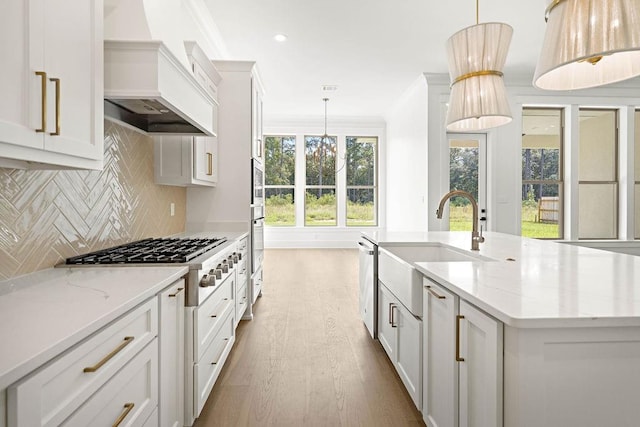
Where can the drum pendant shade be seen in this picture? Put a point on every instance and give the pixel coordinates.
(589, 43)
(476, 57)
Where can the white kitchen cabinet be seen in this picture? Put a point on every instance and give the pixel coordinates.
(462, 362)
(256, 120)
(171, 398)
(400, 334)
(3, 408)
(387, 334)
(51, 81)
(129, 398)
(480, 376)
(51, 394)
(440, 397)
(186, 160)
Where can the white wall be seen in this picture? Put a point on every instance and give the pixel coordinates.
(406, 154)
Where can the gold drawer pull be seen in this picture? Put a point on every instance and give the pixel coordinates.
(215, 363)
(434, 293)
(127, 408)
(458, 358)
(126, 342)
(210, 164)
(57, 82)
(176, 293)
(43, 119)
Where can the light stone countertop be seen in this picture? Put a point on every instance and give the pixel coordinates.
(548, 285)
(44, 313)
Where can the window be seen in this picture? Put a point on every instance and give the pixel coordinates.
(542, 173)
(598, 174)
(362, 181)
(467, 161)
(320, 191)
(280, 169)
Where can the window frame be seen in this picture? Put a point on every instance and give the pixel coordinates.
(616, 172)
(561, 169)
(333, 187)
(288, 187)
(374, 187)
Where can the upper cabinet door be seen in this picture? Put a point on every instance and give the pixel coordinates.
(51, 81)
(21, 48)
(205, 162)
(256, 121)
(73, 56)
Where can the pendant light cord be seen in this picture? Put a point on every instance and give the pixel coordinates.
(477, 12)
(325, 117)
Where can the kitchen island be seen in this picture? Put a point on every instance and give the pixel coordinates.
(529, 333)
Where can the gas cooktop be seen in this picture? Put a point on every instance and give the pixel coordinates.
(150, 251)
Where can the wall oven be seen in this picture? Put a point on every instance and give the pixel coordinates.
(257, 183)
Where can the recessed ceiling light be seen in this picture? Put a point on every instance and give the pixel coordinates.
(329, 88)
(280, 38)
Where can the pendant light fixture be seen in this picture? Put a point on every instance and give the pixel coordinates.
(476, 56)
(589, 43)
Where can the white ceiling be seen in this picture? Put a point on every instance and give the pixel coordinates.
(373, 50)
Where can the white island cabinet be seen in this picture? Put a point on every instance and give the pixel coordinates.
(51, 82)
(103, 348)
(538, 333)
(462, 362)
(400, 334)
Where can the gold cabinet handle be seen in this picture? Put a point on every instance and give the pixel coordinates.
(458, 358)
(220, 355)
(43, 98)
(393, 319)
(57, 83)
(176, 293)
(434, 293)
(127, 408)
(210, 164)
(126, 342)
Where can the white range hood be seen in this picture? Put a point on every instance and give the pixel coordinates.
(148, 82)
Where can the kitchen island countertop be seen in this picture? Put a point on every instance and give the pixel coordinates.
(44, 313)
(534, 283)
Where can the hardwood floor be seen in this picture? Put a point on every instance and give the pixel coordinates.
(307, 358)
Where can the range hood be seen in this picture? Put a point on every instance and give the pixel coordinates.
(148, 82)
(147, 87)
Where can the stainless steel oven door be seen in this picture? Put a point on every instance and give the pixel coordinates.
(257, 240)
(257, 183)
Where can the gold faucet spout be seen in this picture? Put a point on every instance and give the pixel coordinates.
(476, 238)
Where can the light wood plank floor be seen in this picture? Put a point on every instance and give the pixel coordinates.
(306, 358)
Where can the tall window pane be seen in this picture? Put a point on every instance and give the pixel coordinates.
(598, 174)
(464, 156)
(320, 192)
(362, 180)
(280, 169)
(542, 177)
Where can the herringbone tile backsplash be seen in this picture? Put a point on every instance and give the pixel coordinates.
(47, 216)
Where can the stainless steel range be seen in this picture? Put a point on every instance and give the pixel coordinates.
(214, 304)
(209, 260)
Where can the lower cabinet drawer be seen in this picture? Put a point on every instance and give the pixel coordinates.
(208, 368)
(52, 393)
(242, 301)
(128, 399)
(211, 314)
(256, 286)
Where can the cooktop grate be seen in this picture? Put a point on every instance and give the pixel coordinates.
(150, 251)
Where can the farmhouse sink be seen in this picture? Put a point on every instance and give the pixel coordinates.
(397, 272)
